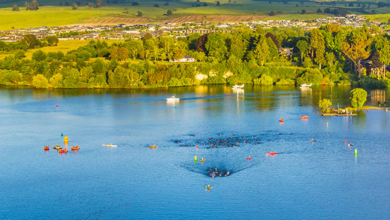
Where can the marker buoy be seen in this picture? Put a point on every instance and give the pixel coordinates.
(196, 146)
(227, 95)
(56, 106)
(316, 90)
(345, 141)
(62, 134)
(196, 158)
(355, 152)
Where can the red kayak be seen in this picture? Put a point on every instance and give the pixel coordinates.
(281, 120)
(248, 158)
(271, 154)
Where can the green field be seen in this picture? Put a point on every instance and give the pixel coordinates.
(109, 14)
(63, 46)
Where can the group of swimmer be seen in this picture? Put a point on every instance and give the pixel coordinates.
(232, 141)
(215, 172)
(153, 147)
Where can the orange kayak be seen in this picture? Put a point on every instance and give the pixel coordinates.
(271, 154)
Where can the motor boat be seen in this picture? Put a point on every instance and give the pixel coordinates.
(238, 87)
(305, 86)
(173, 99)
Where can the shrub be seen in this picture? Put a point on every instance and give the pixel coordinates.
(39, 81)
(263, 80)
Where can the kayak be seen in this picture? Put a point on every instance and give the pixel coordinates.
(271, 154)
(281, 120)
(109, 145)
(202, 160)
(75, 148)
(249, 158)
(305, 117)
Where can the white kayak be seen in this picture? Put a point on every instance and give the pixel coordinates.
(109, 145)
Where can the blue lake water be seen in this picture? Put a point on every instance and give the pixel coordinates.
(306, 180)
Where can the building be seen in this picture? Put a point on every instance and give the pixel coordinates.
(186, 59)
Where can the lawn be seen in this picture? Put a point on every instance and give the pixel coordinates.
(63, 46)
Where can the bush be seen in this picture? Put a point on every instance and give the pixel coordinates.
(368, 82)
(285, 82)
(264, 80)
(313, 76)
(39, 81)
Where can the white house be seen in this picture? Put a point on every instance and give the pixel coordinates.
(186, 59)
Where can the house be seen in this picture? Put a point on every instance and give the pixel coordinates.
(186, 59)
(286, 51)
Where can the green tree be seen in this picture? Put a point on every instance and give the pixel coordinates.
(215, 46)
(135, 47)
(98, 3)
(52, 40)
(324, 104)
(169, 12)
(303, 47)
(357, 48)
(358, 98)
(273, 50)
(320, 58)
(119, 53)
(317, 42)
(75, 6)
(39, 81)
(139, 14)
(39, 55)
(56, 80)
(384, 55)
(30, 41)
(262, 50)
(15, 7)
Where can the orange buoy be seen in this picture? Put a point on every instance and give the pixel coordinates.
(56, 106)
(345, 141)
(197, 146)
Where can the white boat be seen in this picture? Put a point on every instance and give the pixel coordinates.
(238, 87)
(109, 145)
(305, 86)
(173, 99)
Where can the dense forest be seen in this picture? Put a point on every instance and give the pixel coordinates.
(329, 55)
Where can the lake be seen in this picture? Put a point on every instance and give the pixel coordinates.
(307, 180)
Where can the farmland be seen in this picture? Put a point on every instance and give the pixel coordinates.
(242, 10)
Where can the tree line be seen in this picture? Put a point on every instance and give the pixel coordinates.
(324, 56)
